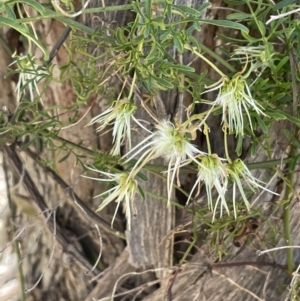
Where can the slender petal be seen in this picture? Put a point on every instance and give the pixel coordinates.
(259, 56)
(123, 192)
(212, 173)
(171, 143)
(235, 98)
(29, 75)
(239, 172)
(119, 114)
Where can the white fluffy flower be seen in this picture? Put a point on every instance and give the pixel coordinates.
(29, 75)
(123, 192)
(212, 173)
(238, 172)
(170, 142)
(258, 56)
(119, 114)
(235, 99)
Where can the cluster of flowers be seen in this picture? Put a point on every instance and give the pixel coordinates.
(173, 142)
(213, 171)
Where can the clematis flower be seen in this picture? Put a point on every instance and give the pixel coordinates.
(119, 114)
(170, 142)
(239, 172)
(235, 99)
(29, 75)
(259, 56)
(212, 173)
(123, 192)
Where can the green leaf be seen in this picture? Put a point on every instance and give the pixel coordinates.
(164, 83)
(296, 143)
(178, 44)
(15, 25)
(153, 53)
(282, 63)
(225, 23)
(278, 96)
(229, 39)
(195, 41)
(196, 26)
(165, 34)
(262, 85)
(168, 11)
(253, 148)
(136, 8)
(182, 68)
(287, 133)
(282, 4)
(119, 34)
(249, 38)
(39, 142)
(292, 118)
(148, 5)
(37, 6)
(142, 176)
(147, 31)
(238, 16)
(159, 21)
(187, 10)
(9, 11)
(141, 192)
(262, 28)
(204, 6)
(293, 164)
(64, 158)
(262, 124)
(239, 146)
(23, 30)
(26, 145)
(276, 115)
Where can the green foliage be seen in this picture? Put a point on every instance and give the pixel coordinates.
(258, 71)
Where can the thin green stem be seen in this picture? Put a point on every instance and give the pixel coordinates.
(20, 268)
(159, 168)
(76, 146)
(201, 116)
(271, 163)
(183, 170)
(132, 86)
(193, 50)
(158, 197)
(215, 56)
(226, 146)
(205, 131)
(255, 19)
(51, 14)
(288, 195)
(187, 252)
